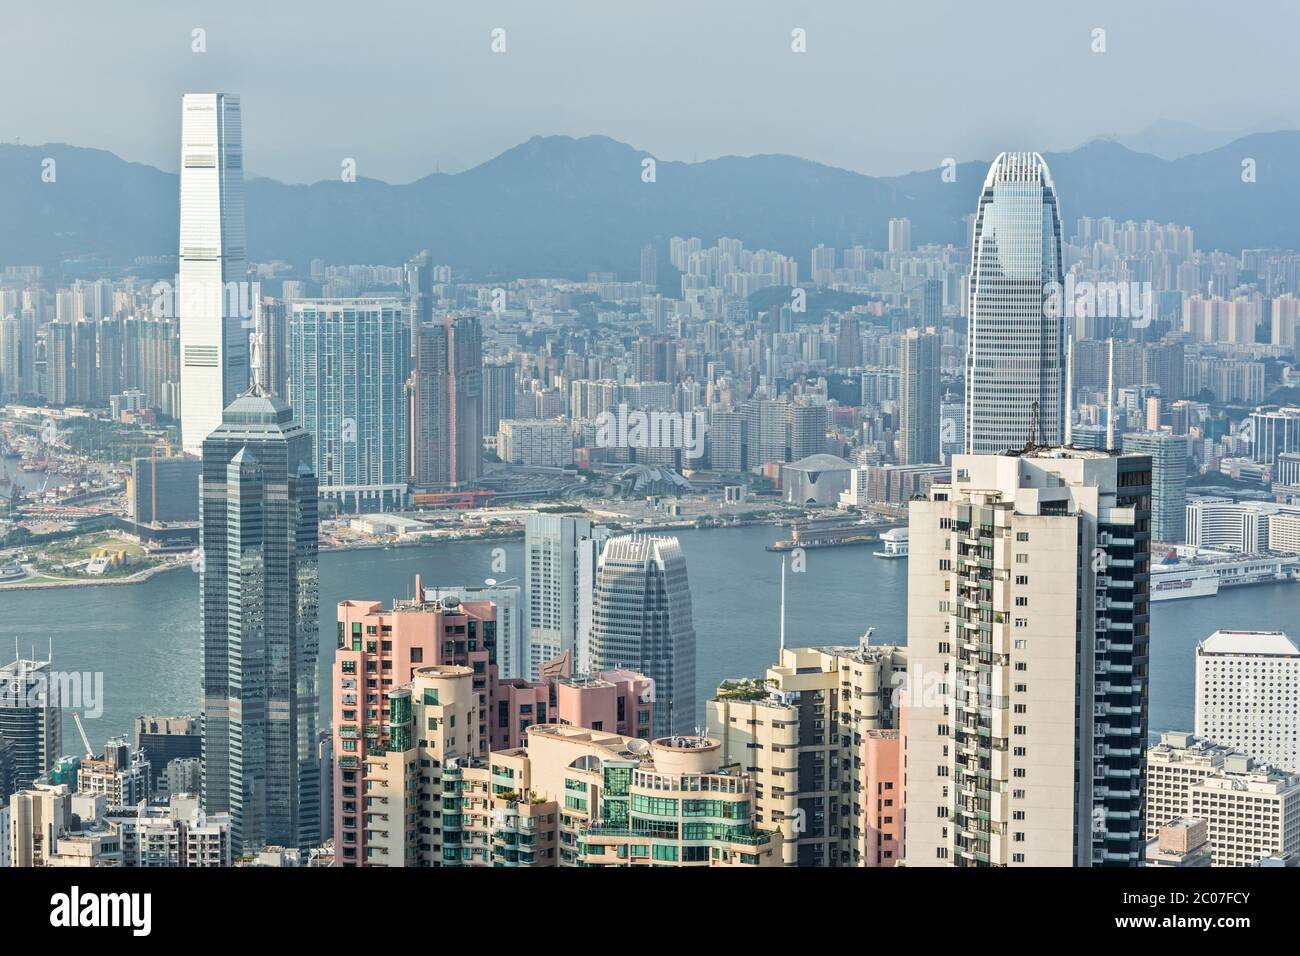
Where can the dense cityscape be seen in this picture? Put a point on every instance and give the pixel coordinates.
(853, 556)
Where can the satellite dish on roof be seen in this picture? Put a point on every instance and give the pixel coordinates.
(490, 582)
(451, 601)
(638, 746)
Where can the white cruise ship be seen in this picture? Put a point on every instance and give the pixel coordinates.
(1177, 580)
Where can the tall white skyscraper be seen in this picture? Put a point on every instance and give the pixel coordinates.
(642, 620)
(552, 586)
(1248, 694)
(1015, 354)
(213, 293)
(1027, 657)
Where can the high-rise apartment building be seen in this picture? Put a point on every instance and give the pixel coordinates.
(1015, 354)
(1027, 661)
(900, 235)
(258, 591)
(818, 736)
(1248, 694)
(213, 264)
(918, 432)
(347, 378)
(446, 395)
(499, 387)
(641, 619)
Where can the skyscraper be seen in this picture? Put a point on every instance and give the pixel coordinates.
(649, 268)
(1168, 454)
(552, 595)
(214, 342)
(919, 428)
(1027, 686)
(1015, 353)
(258, 592)
(499, 388)
(446, 395)
(641, 619)
(30, 719)
(900, 235)
(347, 377)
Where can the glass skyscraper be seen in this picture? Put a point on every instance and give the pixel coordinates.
(1015, 355)
(349, 361)
(258, 592)
(642, 620)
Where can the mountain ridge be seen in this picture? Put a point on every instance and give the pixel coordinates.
(566, 206)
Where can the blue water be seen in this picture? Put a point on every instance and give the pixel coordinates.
(145, 638)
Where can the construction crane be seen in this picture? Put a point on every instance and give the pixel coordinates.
(76, 718)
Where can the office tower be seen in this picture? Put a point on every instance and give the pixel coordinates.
(347, 381)
(1028, 640)
(258, 591)
(806, 430)
(499, 388)
(446, 393)
(1252, 810)
(841, 802)
(214, 341)
(900, 235)
(641, 620)
(507, 598)
(164, 740)
(552, 587)
(30, 718)
(1248, 694)
(1015, 354)
(418, 282)
(369, 722)
(1274, 430)
(919, 426)
(164, 489)
(649, 268)
(1168, 453)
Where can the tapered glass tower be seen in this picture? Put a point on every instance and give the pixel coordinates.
(1015, 354)
(259, 596)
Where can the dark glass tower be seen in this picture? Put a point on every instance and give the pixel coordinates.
(258, 592)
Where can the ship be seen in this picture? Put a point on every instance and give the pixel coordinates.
(1171, 579)
(824, 537)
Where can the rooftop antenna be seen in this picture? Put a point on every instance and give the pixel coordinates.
(782, 654)
(1110, 397)
(1069, 391)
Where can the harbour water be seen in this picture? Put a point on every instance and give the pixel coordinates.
(145, 638)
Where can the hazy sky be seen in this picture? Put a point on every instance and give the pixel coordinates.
(409, 87)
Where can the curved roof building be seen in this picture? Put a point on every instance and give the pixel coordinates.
(1015, 354)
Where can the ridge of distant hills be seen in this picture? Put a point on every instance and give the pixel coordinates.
(561, 206)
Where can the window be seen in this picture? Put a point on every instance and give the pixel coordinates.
(1022, 535)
